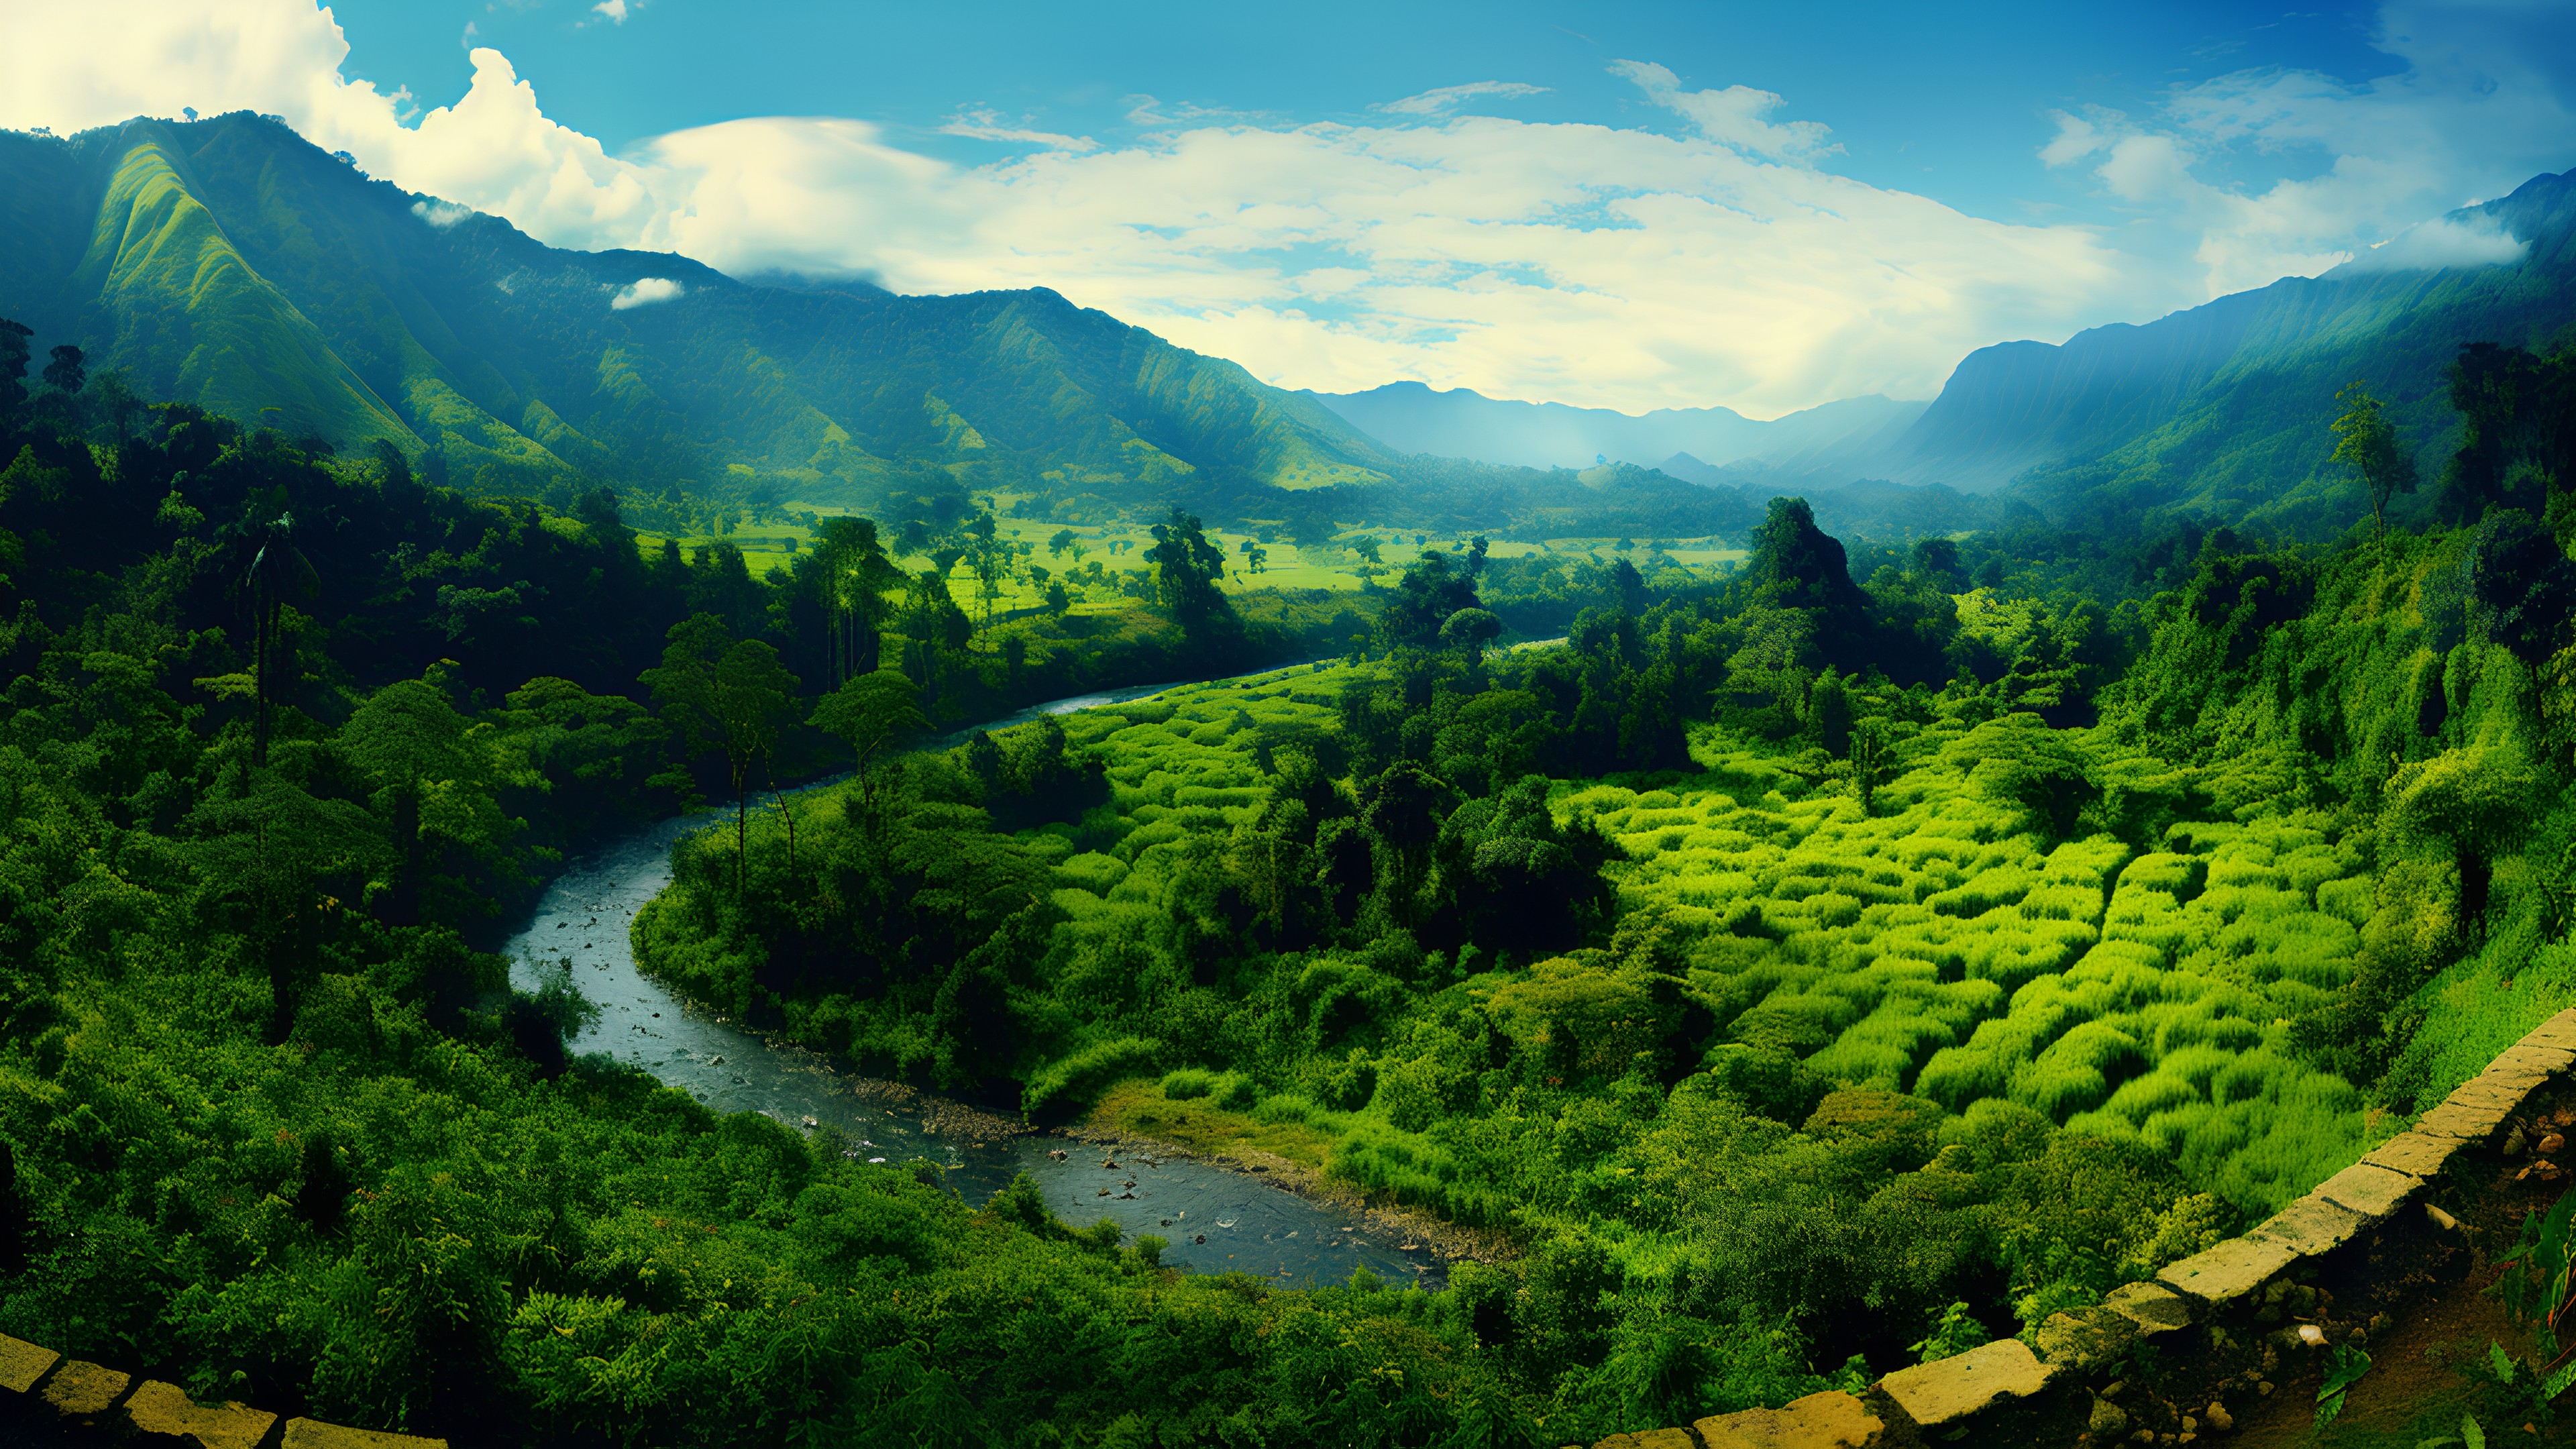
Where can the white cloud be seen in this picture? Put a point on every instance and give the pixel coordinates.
(615, 10)
(2468, 107)
(644, 292)
(2475, 241)
(1434, 102)
(440, 214)
(1732, 116)
(984, 124)
(1594, 264)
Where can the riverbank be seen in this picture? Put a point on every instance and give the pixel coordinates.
(1406, 1227)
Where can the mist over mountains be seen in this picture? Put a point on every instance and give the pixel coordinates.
(2218, 410)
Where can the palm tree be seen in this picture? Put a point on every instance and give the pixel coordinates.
(276, 568)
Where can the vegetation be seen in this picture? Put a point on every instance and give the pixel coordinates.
(1809, 966)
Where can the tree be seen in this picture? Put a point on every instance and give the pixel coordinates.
(1429, 595)
(1059, 541)
(1468, 631)
(2366, 443)
(853, 572)
(13, 365)
(68, 372)
(989, 557)
(728, 695)
(1187, 567)
(412, 743)
(275, 569)
(932, 624)
(1873, 762)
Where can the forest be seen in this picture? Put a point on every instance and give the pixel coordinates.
(1808, 968)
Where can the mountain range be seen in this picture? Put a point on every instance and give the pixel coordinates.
(2218, 410)
(1458, 423)
(229, 263)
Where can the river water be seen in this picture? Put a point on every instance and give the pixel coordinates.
(582, 923)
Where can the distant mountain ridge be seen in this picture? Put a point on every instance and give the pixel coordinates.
(230, 263)
(2222, 409)
(1411, 417)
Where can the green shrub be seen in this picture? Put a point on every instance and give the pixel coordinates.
(1070, 1083)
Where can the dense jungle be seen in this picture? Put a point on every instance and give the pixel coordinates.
(1808, 965)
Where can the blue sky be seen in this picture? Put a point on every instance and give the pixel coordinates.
(1918, 98)
(1632, 206)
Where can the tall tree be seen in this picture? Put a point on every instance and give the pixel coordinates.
(14, 353)
(854, 575)
(728, 695)
(275, 569)
(1187, 567)
(412, 743)
(874, 714)
(2366, 443)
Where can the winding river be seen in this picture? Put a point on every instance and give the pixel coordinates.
(1216, 1220)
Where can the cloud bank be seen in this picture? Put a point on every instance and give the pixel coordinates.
(1707, 255)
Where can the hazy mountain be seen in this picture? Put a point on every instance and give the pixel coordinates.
(2223, 408)
(230, 263)
(1412, 418)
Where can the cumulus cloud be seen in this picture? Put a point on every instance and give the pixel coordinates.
(615, 10)
(1434, 102)
(1716, 260)
(644, 292)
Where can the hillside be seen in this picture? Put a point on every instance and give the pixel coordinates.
(2221, 409)
(230, 263)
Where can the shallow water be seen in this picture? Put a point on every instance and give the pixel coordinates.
(582, 923)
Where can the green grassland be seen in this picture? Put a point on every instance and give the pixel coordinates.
(1945, 947)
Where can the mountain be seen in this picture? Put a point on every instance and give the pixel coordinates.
(1412, 418)
(229, 263)
(2222, 409)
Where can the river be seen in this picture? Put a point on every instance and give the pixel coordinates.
(1247, 1226)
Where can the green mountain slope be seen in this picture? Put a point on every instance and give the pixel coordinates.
(2222, 409)
(230, 263)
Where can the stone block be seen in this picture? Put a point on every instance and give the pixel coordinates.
(2417, 1154)
(2153, 1307)
(2083, 1338)
(2465, 1123)
(22, 1363)
(164, 1414)
(1949, 1390)
(2371, 1192)
(2497, 1089)
(2547, 1061)
(2311, 1226)
(314, 1434)
(1829, 1420)
(81, 1388)
(2557, 1031)
(2230, 1270)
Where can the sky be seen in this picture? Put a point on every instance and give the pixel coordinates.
(1633, 206)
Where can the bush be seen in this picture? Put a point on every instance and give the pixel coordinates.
(1068, 1084)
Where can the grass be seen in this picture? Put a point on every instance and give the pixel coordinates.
(1140, 1109)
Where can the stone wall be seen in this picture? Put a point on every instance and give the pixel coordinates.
(2228, 1322)
(54, 1399)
